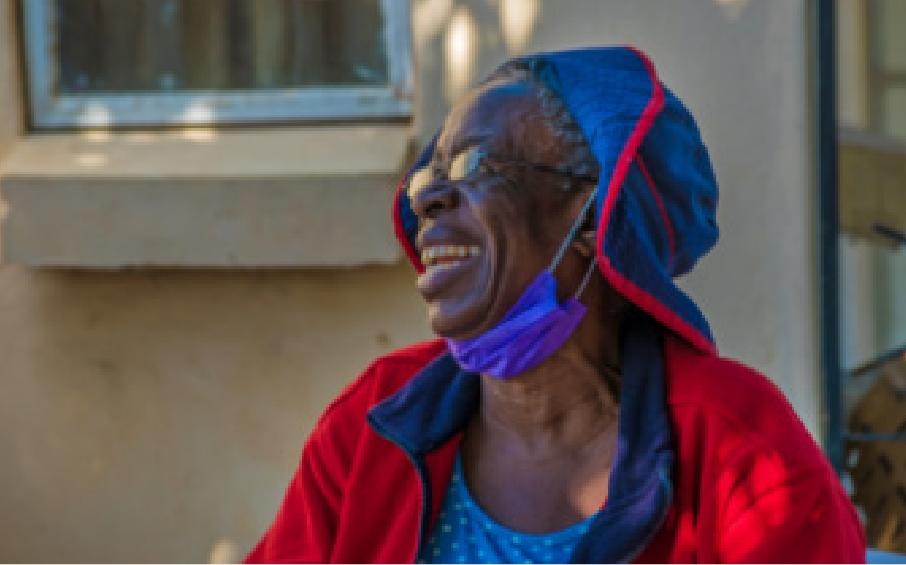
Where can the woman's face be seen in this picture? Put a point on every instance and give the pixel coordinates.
(485, 238)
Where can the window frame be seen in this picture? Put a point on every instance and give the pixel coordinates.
(49, 110)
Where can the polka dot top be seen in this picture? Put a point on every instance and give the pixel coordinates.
(465, 534)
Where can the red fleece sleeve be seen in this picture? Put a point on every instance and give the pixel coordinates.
(775, 515)
(305, 526)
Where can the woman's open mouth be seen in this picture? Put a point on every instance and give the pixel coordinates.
(442, 256)
(442, 264)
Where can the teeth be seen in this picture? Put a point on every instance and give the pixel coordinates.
(432, 254)
(440, 267)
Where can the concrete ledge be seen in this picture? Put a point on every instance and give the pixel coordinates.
(280, 198)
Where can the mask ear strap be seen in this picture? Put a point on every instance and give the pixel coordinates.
(572, 232)
(588, 273)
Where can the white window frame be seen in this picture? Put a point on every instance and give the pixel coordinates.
(207, 107)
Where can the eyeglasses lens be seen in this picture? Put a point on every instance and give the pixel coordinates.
(463, 166)
(419, 180)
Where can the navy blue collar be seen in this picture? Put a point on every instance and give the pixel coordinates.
(437, 403)
(431, 408)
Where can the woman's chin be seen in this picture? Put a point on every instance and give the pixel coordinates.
(443, 328)
(455, 327)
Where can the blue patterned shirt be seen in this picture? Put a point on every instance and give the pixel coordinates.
(465, 534)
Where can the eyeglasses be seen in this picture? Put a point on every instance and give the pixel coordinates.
(474, 164)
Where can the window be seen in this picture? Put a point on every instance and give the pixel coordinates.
(178, 62)
(871, 390)
(873, 204)
(887, 67)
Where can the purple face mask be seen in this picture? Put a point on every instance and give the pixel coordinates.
(535, 327)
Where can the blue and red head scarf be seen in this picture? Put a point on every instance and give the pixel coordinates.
(657, 196)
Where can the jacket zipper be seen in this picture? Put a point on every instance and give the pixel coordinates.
(420, 469)
(426, 504)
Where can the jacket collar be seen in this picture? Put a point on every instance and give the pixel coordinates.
(436, 404)
(641, 487)
(430, 409)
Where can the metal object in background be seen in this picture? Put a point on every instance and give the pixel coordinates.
(896, 235)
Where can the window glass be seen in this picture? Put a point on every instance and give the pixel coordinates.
(891, 15)
(97, 63)
(873, 278)
(894, 103)
(108, 46)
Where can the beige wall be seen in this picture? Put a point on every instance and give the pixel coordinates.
(144, 416)
(147, 415)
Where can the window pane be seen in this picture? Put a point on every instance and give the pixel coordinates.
(117, 46)
(892, 14)
(895, 111)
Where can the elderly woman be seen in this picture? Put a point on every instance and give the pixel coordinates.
(575, 408)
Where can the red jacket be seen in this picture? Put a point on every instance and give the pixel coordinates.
(744, 480)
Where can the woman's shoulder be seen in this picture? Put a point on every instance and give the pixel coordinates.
(743, 455)
(693, 376)
(728, 401)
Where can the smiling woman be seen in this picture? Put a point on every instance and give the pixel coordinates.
(575, 408)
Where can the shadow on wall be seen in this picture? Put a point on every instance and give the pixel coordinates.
(733, 9)
(459, 41)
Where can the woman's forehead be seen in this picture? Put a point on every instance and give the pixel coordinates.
(496, 115)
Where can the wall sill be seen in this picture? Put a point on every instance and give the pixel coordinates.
(294, 197)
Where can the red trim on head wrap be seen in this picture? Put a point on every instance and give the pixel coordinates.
(621, 283)
(401, 233)
(668, 226)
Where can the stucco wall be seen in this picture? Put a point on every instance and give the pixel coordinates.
(145, 416)
(158, 415)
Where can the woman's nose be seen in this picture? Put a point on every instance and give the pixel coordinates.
(433, 199)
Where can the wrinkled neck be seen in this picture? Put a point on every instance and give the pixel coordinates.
(564, 402)
(570, 396)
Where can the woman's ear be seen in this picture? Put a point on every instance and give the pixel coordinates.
(584, 243)
(585, 239)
